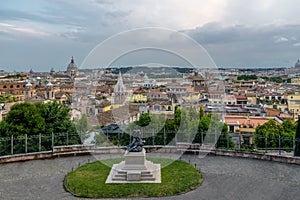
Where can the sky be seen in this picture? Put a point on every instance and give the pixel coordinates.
(40, 34)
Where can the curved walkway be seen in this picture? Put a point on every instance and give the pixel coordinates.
(224, 178)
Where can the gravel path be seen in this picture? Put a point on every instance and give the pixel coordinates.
(224, 178)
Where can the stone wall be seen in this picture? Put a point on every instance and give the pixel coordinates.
(80, 150)
(258, 156)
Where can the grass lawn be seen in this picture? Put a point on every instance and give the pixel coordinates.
(89, 180)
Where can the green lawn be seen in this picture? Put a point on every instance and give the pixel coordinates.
(89, 180)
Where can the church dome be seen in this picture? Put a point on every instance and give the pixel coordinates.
(146, 79)
(297, 65)
(72, 66)
(28, 84)
(49, 84)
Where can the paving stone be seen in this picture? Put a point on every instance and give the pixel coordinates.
(224, 178)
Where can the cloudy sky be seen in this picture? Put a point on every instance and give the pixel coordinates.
(41, 34)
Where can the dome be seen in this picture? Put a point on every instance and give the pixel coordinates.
(49, 84)
(72, 68)
(28, 84)
(145, 77)
(72, 65)
(297, 65)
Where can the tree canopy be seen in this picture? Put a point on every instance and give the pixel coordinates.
(247, 77)
(268, 134)
(36, 118)
(187, 126)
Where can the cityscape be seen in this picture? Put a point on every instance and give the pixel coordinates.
(192, 109)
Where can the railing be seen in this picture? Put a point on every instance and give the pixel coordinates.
(200, 141)
(36, 143)
(249, 143)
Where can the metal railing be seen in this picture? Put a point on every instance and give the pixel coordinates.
(40, 143)
(36, 143)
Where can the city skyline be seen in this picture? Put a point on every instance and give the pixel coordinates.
(40, 35)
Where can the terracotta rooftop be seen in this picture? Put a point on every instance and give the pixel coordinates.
(241, 98)
(285, 116)
(244, 120)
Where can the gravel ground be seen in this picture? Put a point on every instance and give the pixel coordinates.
(224, 178)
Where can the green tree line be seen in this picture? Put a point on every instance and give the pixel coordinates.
(188, 126)
(35, 123)
(247, 77)
(37, 118)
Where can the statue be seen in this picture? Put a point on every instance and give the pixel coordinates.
(137, 143)
(135, 168)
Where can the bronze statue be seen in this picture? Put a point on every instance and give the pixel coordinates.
(137, 143)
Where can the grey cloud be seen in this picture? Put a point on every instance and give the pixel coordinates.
(6, 14)
(279, 39)
(257, 12)
(263, 46)
(253, 33)
(80, 20)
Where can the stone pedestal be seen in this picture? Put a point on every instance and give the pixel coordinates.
(133, 176)
(135, 160)
(135, 169)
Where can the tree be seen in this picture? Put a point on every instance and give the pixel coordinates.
(82, 126)
(289, 130)
(177, 117)
(225, 140)
(211, 128)
(247, 77)
(193, 113)
(23, 118)
(169, 129)
(289, 127)
(297, 141)
(144, 120)
(201, 112)
(204, 124)
(267, 135)
(36, 118)
(57, 118)
(186, 124)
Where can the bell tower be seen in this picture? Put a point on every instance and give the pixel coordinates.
(119, 94)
